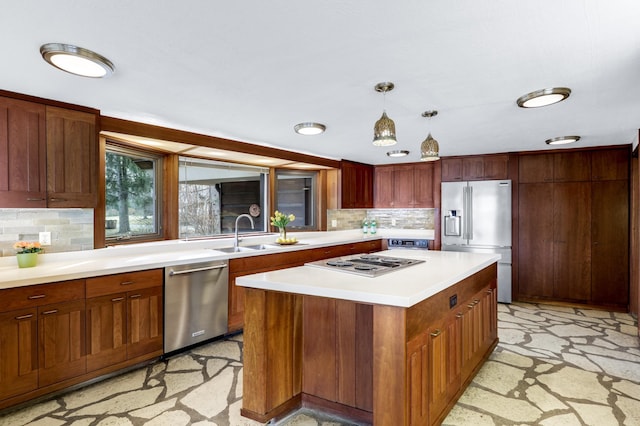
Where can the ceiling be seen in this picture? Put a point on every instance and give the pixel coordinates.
(251, 70)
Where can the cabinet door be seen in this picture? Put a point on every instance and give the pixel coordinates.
(106, 330)
(18, 352)
(72, 160)
(22, 154)
(572, 244)
(572, 166)
(535, 245)
(61, 333)
(357, 185)
(496, 166)
(236, 303)
(403, 186)
(144, 321)
(451, 169)
(384, 187)
(472, 168)
(444, 357)
(534, 168)
(418, 379)
(423, 185)
(610, 164)
(610, 246)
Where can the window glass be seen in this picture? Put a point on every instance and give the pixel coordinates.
(213, 194)
(132, 193)
(296, 194)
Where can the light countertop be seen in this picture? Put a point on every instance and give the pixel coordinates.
(404, 287)
(55, 267)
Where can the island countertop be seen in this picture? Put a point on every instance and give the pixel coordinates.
(403, 288)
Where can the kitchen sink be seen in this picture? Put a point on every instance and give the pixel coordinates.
(241, 249)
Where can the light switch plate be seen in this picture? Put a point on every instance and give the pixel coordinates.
(334, 223)
(45, 238)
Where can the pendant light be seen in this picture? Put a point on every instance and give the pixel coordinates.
(384, 131)
(429, 149)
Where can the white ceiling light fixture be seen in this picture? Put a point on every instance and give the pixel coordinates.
(398, 153)
(309, 128)
(562, 140)
(77, 60)
(543, 97)
(384, 131)
(429, 149)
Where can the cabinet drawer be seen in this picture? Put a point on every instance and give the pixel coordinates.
(43, 294)
(129, 281)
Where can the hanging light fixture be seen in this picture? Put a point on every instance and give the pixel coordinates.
(429, 149)
(384, 131)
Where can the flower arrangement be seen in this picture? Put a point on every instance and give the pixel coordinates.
(281, 220)
(22, 247)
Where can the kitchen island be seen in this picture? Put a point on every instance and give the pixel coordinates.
(398, 349)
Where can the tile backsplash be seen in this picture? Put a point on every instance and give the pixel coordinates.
(386, 218)
(71, 229)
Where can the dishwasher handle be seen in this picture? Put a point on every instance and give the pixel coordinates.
(189, 271)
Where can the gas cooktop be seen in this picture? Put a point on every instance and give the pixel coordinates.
(368, 265)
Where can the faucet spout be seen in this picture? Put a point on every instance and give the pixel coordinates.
(236, 240)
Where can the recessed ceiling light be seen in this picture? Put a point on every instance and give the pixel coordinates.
(309, 129)
(562, 140)
(77, 60)
(398, 153)
(543, 97)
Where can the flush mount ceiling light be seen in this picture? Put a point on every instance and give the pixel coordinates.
(384, 131)
(543, 97)
(77, 60)
(309, 129)
(429, 149)
(562, 140)
(398, 153)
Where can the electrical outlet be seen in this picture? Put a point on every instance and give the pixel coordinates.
(334, 223)
(45, 238)
(393, 221)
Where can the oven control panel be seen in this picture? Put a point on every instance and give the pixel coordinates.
(416, 243)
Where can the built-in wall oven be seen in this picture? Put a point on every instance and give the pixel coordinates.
(195, 303)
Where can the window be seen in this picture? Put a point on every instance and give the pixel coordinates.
(296, 194)
(132, 194)
(213, 194)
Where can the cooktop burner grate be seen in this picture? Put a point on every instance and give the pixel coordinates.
(368, 265)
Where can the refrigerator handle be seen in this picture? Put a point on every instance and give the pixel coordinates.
(468, 200)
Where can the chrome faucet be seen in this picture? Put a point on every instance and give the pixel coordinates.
(235, 242)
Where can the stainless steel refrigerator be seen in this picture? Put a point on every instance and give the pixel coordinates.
(477, 218)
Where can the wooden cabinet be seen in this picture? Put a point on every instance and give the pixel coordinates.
(124, 318)
(405, 186)
(357, 185)
(61, 336)
(573, 227)
(475, 167)
(22, 154)
(272, 262)
(72, 158)
(49, 155)
(41, 336)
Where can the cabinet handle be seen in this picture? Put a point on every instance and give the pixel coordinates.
(53, 311)
(36, 199)
(126, 282)
(475, 302)
(135, 296)
(489, 291)
(21, 317)
(435, 333)
(37, 296)
(470, 305)
(117, 299)
(459, 315)
(57, 199)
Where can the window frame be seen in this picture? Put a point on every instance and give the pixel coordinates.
(313, 197)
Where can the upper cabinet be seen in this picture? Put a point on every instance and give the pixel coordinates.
(22, 154)
(72, 178)
(357, 185)
(406, 186)
(475, 167)
(48, 156)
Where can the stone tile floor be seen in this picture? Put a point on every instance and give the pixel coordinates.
(553, 366)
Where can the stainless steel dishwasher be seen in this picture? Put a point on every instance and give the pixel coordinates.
(195, 303)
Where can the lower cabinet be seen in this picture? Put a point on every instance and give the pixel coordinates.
(56, 335)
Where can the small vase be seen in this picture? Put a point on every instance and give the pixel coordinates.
(27, 260)
(283, 233)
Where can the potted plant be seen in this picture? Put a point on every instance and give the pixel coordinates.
(281, 220)
(27, 253)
